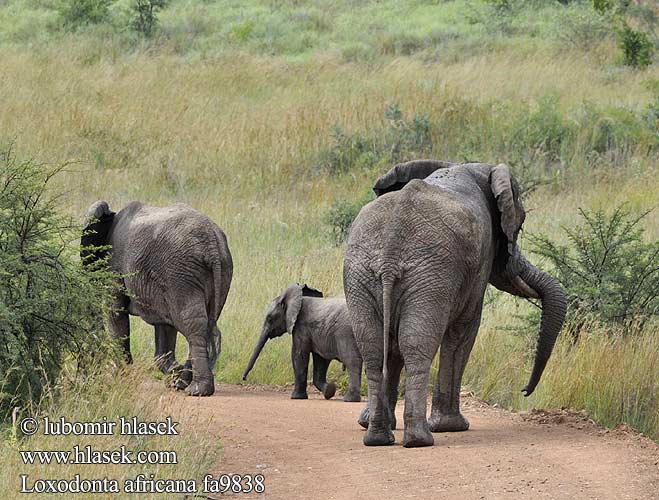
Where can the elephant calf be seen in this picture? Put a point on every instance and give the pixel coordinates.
(175, 268)
(319, 326)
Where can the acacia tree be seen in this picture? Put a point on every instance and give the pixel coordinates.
(51, 309)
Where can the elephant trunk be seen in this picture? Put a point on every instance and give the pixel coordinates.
(554, 307)
(257, 351)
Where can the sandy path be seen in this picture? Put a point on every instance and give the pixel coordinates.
(313, 450)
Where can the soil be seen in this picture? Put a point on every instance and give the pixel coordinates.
(312, 449)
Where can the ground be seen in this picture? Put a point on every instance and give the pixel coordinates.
(313, 449)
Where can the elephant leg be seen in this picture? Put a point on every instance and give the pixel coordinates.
(119, 325)
(195, 328)
(183, 375)
(300, 358)
(354, 382)
(379, 428)
(165, 347)
(419, 336)
(456, 347)
(320, 366)
(395, 363)
(395, 367)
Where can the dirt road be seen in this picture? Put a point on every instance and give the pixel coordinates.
(313, 450)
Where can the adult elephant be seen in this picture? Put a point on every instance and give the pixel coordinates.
(418, 261)
(176, 269)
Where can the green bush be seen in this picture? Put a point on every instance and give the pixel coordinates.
(342, 214)
(401, 140)
(51, 309)
(77, 13)
(145, 15)
(610, 273)
(637, 48)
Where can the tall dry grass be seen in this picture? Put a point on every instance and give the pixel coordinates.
(102, 396)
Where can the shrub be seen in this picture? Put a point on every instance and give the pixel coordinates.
(636, 46)
(582, 28)
(50, 308)
(145, 17)
(401, 140)
(342, 214)
(77, 13)
(610, 273)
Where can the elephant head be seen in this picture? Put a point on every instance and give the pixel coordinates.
(511, 271)
(280, 318)
(98, 221)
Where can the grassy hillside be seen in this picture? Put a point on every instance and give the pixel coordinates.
(233, 106)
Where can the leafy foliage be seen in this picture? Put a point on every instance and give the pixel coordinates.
(637, 47)
(610, 273)
(51, 309)
(342, 214)
(402, 139)
(146, 15)
(77, 13)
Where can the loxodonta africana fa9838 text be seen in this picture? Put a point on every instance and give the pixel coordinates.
(319, 326)
(176, 270)
(418, 261)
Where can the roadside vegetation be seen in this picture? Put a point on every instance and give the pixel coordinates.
(275, 118)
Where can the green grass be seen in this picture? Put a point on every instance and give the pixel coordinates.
(231, 107)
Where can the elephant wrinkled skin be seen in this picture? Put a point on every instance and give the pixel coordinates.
(418, 261)
(176, 269)
(320, 326)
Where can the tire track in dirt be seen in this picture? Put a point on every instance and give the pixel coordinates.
(313, 449)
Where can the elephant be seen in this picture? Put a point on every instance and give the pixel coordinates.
(174, 269)
(418, 260)
(320, 326)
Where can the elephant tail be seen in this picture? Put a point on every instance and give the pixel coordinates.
(387, 289)
(221, 267)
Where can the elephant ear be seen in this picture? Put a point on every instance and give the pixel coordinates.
(98, 221)
(292, 300)
(401, 174)
(511, 211)
(307, 291)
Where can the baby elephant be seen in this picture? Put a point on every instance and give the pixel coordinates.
(318, 326)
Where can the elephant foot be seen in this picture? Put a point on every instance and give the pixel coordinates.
(382, 437)
(417, 435)
(352, 396)
(330, 390)
(365, 415)
(448, 423)
(200, 388)
(299, 395)
(182, 376)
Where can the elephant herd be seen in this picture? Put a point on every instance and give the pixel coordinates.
(418, 260)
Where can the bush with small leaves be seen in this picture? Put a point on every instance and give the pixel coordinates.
(51, 309)
(401, 140)
(637, 47)
(145, 18)
(341, 216)
(76, 13)
(611, 274)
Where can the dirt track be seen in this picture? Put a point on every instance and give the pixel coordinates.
(313, 450)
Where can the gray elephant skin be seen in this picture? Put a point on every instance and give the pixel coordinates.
(320, 326)
(176, 270)
(418, 260)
